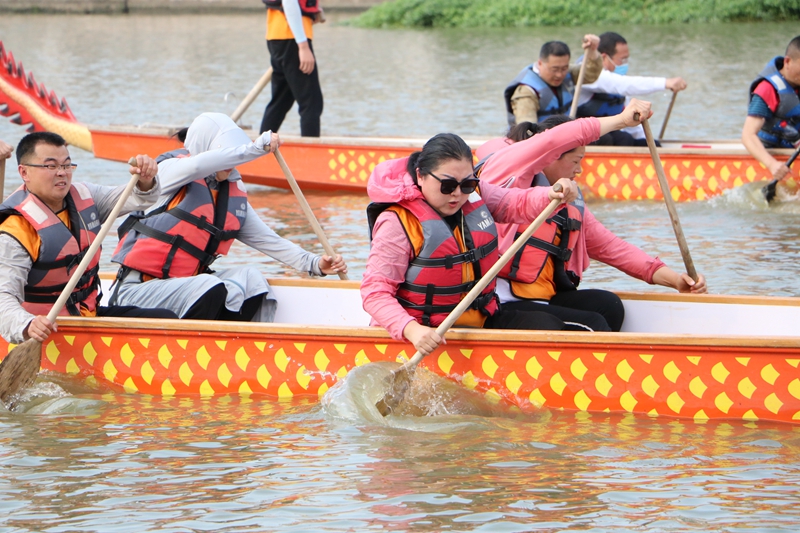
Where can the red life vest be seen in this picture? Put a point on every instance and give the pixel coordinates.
(527, 264)
(309, 8)
(447, 262)
(61, 249)
(182, 240)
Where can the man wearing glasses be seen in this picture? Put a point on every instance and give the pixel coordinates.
(607, 96)
(547, 87)
(46, 226)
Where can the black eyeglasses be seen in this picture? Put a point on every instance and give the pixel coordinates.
(448, 185)
(52, 167)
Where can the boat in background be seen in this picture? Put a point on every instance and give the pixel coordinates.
(688, 356)
(695, 170)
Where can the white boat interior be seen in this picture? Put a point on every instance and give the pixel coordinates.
(336, 303)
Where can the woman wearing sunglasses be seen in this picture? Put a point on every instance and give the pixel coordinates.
(433, 231)
(549, 267)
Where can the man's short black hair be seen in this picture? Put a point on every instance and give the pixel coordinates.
(553, 48)
(794, 47)
(27, 145)
(609, 41)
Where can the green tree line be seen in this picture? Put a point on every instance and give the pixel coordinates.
(508, 13)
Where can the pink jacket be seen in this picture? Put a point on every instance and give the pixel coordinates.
(516, 166)
(391, 251)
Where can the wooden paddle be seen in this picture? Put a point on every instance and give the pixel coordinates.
(2, 177)
(673, 213)
(666, 117)
(252, 95)
(399, 380)
(19, 368)
(301, 199)
(573, 111)
(771, 189)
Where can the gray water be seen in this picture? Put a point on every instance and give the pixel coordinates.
(88, 460)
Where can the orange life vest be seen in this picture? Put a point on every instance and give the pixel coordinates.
(61, 249)
(554, 240)
(447, 262)
(185, 235)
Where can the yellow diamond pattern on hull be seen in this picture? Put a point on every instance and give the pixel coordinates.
(167, 389)
(697, 387)
(89, 353)
(147, 373)
(263, 376)
(72, 367)
(675, 402)
(624, 370)
(720, 373)
(582, 400)
(224, 375)
(772, 403)
(533, 367)
(650, 386)
(281, 360)
(489, 366)
(206, 389)
(130, 386)
(769, 374)
(557, 383)
(723, 403)
(445, 363)
(164, 356)
(321, 360)
(302, 377)
(185, 374)
(52, 352)
(672, 372)
(578, 369)
(537, 398)
(513, 383)
(627, 401)
(284, 391)
(747, 388)
(242, 359)
(203, 358)
(109, 371)
(603, 385)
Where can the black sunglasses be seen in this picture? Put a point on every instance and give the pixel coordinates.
(448, 185)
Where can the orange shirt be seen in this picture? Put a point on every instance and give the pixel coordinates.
(278, 27)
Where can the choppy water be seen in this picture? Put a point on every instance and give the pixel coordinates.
(85, 460)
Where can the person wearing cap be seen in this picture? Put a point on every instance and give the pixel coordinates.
(546, 87)
(165, 253)
(608, 95)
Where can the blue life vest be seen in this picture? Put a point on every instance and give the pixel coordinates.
(781, 131)
(602, 105)
(551, 102)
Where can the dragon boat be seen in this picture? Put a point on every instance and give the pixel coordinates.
(689, 356)
(695, 170)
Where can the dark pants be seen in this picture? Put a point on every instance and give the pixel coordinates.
(290, 84)
(589, 309)
(130, 311)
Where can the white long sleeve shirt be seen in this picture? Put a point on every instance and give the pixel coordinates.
(628, 86)
(15, 263)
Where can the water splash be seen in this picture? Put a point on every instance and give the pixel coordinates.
(432, 403)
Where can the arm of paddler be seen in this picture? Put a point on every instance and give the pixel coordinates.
(15, 263)
(530, 156)
(521, 206)
(525, 104)
(179, 171)
(389, 256)
(752, 125)
(105, 198)
(256, 234)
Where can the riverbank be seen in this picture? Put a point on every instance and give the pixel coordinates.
(516, 13)
(163, 6)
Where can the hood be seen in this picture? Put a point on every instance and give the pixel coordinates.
(391, 183)
(213, 131)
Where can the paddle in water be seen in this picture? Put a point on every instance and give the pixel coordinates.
(771, 189)
(398, 381)
(19, 368)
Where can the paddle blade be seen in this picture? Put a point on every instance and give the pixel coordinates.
(770, 190)
(397, 384)
(18, 370)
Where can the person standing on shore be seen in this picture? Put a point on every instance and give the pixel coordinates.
(294, 67)
(608, 95)
(547, 87)
(773, 117)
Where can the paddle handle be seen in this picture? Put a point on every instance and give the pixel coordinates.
(252, 95)
(2, 178)
(490, 275)
(301, 199)
(573, 111)
(666, 117)
(98, 241)
(665, 192)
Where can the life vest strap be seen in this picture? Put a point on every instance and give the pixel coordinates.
(480, 303)
(471, 256)
(36, 292)
(434, 290)
(177, 242)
